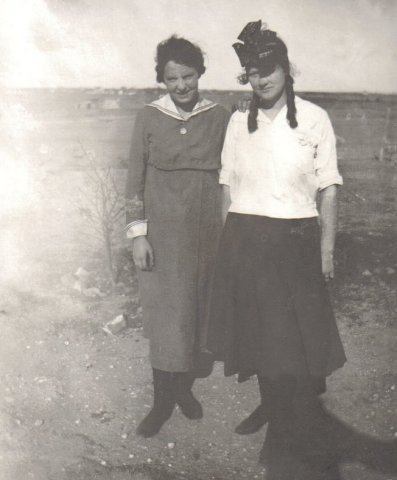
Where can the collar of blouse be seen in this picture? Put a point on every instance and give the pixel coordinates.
(168, 107)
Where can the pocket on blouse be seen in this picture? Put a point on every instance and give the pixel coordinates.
(305, 147)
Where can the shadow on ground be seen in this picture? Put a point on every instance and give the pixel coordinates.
(322, 452)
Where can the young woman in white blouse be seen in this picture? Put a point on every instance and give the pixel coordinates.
(270, 312)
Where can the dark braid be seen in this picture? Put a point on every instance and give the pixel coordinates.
(291, 108)
(253, 114)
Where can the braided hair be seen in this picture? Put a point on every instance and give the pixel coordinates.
(291, 107)
(253, 113)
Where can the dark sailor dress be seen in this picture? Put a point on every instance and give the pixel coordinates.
(173, 184)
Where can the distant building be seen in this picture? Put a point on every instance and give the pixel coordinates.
(95, 91)
(88, 104)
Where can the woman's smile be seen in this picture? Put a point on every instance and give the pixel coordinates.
(264, 89)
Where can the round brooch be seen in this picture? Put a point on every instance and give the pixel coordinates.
(183, 131)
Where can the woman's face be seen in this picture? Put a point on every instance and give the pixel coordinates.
(181, 82)
(268, 88)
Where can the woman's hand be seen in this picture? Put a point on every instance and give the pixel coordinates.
(242, 105)
(142, 253)
(327, 260)
(226, 202)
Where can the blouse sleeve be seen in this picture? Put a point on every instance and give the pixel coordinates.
(326, 166)
(228, 154)
(136, 224)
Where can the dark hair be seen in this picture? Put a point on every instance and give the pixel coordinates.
(284, 63)
(180, 51)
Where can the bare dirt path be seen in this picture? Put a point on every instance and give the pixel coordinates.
(72, 394)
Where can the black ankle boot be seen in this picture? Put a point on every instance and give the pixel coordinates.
(280, 442)
(184, 397)
(163, 404)
(259, 416)
(253, 422)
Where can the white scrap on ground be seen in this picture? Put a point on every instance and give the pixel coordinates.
(116, 325)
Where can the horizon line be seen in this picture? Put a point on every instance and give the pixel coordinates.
(97, 87)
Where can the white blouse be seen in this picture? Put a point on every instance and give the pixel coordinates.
(277, 171)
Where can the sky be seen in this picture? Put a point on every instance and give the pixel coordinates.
(335, 45)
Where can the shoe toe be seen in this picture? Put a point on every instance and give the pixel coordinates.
(191, 408)
(252, 424)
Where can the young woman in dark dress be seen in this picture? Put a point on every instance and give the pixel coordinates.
(174, 219)
(270, 311)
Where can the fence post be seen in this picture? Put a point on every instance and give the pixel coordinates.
(384, 138)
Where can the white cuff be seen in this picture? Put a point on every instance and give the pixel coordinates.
(136, 229)
(224, 177)
(332, 178)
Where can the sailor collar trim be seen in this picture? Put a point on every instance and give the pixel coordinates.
(168, 107)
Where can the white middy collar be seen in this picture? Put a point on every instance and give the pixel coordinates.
(167, 106)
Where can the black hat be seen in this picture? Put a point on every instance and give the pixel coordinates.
(260, 47)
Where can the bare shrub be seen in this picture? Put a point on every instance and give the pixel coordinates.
(101, 205)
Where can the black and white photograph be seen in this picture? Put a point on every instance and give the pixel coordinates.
(198, 240)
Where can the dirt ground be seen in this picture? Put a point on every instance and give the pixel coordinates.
(73, 394)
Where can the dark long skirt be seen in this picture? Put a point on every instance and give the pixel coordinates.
(270, 310)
